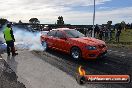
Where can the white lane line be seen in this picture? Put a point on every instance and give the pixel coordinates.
(123, 55)
(112, 51)
(116, 51)
(122, 52)
(109, 50)
(0, 58)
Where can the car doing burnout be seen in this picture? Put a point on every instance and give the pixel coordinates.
(74, 43)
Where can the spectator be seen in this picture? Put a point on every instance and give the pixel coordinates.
(109, 33)
(105, 33)
(118, 32)
(101, 33)
(96, 30)
(109, 30)
(90, 29)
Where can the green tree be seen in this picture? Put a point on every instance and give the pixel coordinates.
(20, 22)
(34, 21)
(3, 21)
(109, 24)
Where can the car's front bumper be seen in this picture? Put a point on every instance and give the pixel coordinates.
(94, 54)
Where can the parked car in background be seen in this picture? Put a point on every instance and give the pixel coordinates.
(44, 32)
(74, 43)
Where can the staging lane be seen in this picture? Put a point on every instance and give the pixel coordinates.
(113, 64)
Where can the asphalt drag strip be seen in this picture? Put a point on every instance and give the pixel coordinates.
(112, 64)
(34, 72)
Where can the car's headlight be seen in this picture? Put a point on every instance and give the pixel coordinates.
(91, 47)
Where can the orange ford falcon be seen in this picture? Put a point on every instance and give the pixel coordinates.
(74, 43)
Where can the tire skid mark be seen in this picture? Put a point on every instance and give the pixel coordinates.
(109, 65)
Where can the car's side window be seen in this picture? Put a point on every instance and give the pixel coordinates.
(51, 33)
(59, 34)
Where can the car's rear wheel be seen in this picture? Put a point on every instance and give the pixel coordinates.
(76, 53)
(45, 45)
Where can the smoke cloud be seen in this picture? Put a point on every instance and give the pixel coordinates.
(27, 40)
(1, 37)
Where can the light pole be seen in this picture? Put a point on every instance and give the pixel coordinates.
(93, 20)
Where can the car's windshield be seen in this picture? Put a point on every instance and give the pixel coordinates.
(74, 34)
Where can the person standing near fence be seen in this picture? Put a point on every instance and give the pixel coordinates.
(109, 30)
(118, 32)
(96, 30)
(101, 35)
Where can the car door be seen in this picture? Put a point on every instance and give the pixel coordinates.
(61, 41)
(51, 38)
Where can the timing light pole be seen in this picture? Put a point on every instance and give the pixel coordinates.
(93, 21)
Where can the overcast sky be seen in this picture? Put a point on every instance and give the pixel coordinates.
(73, 11)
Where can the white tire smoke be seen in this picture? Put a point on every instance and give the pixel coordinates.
(27, 40)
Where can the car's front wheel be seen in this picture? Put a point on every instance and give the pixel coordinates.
(76, 53)
(45, 45)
